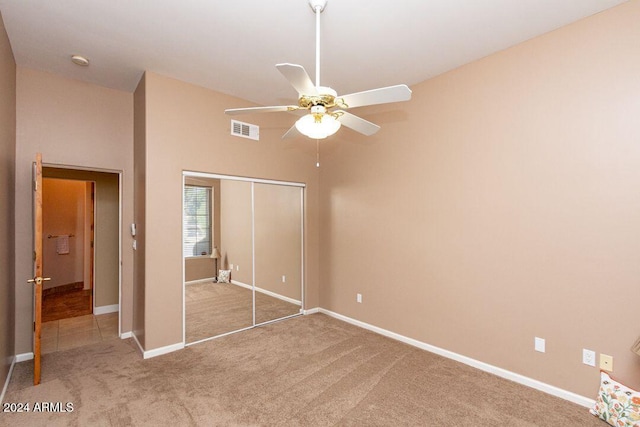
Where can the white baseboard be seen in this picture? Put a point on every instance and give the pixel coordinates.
(157, 351)
(193, 282)
(6, 383)
(278, 296)
(24, 357)
(105, 309)
(266, 292)
(162, 350)
(243, 285)
(521, 379)
(311, 311)
(135, 339)
(125, 335)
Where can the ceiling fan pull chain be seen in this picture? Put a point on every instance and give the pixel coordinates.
(317, 153)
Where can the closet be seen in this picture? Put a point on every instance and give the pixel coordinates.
(243, 255)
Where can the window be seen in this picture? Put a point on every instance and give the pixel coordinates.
(197, 221)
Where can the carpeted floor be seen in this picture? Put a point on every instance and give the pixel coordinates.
(306, 371)
(217, 308)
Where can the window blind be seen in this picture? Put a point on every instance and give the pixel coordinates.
(197, 221)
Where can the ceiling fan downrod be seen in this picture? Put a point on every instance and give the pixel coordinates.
(317, 6)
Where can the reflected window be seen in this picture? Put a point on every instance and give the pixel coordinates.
(197, 221)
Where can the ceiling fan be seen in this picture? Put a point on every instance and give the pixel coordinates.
(326, 109)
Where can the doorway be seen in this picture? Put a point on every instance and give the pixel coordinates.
(81, 246)
(68, 208)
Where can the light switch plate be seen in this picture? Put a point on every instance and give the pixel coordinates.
(539, 344)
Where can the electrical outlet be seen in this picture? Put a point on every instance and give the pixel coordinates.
(539, 344)
(606, 362)
(284, 278)
(359, 298)
(237, 267)
(588, 357)
(230, 266)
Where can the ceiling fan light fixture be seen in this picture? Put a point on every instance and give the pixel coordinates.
(318, 125)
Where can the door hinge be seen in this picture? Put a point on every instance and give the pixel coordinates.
(34, 326)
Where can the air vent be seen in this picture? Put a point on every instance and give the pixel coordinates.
(245, 130)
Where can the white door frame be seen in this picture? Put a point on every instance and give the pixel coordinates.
(120, 218)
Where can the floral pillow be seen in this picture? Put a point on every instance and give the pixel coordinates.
(224, 276)
(616, 403)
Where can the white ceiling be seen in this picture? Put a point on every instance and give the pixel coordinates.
(233, 46)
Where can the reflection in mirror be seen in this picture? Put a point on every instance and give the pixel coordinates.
(250, 224)
(223, 220)
(278, 251)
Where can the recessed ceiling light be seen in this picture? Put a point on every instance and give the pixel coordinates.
(80, 60)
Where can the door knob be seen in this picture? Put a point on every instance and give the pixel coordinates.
(38, 280)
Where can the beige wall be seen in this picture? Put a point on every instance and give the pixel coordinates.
(278, 235)
(199, 269)
(7, 194)
(236, 246)
(63, 213)
(107, 229)
(501, 204)
(186, 129)
(106, 292)
(74, 124)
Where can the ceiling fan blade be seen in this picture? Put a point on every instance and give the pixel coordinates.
(381, 95)
(275, 109)
(298, 78)
(291, 133)
(358, 124)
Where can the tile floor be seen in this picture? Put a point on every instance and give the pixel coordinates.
(64, 334)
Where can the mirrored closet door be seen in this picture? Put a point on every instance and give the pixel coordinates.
(277, 220)
(243, 253)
